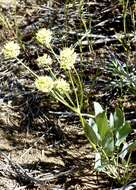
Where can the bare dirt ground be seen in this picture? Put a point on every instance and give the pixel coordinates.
(42, 145)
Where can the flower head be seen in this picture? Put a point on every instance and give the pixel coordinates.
(62, 86)
(44, 36)
(7, 3)
(11, 49)
(44, 83)
(67, 58)
(44, 60)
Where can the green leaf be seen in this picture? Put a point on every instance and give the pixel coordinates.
(119, 118)
(97, 108)
(122, 133)
(108, 143)
(89, 132)
(92, 124)
(102, 124)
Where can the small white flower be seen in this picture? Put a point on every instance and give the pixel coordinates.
(44, 83)
(7, 3)
(44, 36)
(44, 60)
(67, 58)
(11, 50)
(62, 86)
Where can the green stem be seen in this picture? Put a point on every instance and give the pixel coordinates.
(51, 72)
(19, 61)
(81, 88)
(54, 53)
(109, 166)
(70, 100)
(74, 88)
(62, 100)
(125, 5)
(126, 172)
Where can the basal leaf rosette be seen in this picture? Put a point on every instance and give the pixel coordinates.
(67, 58)
(11, 50)
(62, 86)
(44, 83)
(44, 36)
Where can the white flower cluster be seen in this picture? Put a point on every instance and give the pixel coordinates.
(44, 36)
(67, 58)
(44, 83)
(44, 60)
(11, 50)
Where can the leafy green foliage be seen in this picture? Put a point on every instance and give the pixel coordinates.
(123, 76)
(90, 132)
(109, 138)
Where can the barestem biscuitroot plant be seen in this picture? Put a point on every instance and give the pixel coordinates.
(107, 137)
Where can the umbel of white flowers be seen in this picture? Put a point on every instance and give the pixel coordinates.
(44, 36)
(11, 50)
